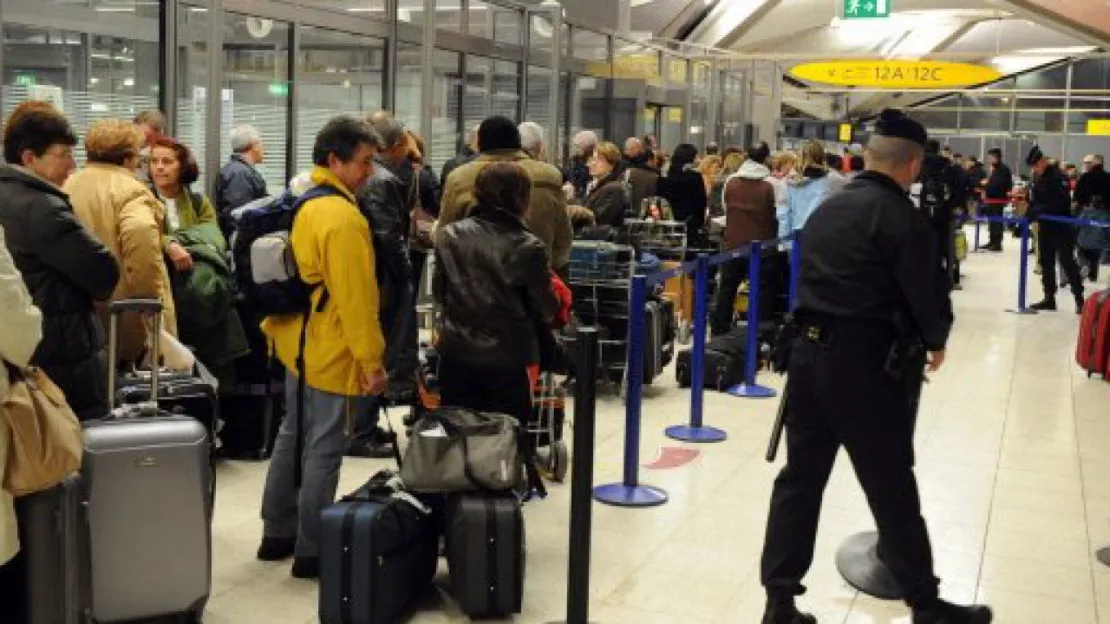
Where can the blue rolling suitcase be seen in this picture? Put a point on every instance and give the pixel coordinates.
(378, 550)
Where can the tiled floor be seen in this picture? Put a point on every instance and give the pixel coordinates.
(1011, 466)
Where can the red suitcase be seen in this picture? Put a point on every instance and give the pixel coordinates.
(1092, 352)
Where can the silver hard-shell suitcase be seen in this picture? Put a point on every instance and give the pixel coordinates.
(147, 482)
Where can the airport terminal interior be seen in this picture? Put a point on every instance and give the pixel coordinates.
(1009, 440)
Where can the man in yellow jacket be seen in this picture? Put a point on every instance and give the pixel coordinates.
(344, 350)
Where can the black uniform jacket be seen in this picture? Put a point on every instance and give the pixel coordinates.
(869, 254)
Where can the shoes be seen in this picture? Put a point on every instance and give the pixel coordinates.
(995, 247)
(784, 612)
(373, 449)
(276, 548)
(1079, 304)
(1048, 305)
(306, 567)
(947, 613)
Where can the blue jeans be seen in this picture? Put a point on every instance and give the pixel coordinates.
(290, 512)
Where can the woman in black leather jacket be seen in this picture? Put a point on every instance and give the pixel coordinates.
(64, 266)
(493, 285)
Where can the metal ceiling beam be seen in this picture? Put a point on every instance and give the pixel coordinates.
(724, 10)
(1058, 22)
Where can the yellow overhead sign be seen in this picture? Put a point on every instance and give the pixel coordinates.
(1098, 127)
(845, 133)
(896, 74)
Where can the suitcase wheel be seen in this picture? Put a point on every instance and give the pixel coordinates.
(559, 461)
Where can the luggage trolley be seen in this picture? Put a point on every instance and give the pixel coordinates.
(601, 282)
(546, 427)
(666, 240)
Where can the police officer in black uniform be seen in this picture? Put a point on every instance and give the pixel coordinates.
(1050, 195)
(873, 311)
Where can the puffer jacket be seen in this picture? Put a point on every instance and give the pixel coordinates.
(493, 284)
(65, 269)
(126, 216)
(803, 196)
(749, 202)
(22, 324)
(547, 208)
(239, 183)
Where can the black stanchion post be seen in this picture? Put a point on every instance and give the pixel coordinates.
(582, 479)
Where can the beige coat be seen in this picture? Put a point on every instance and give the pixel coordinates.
(126, 216)
(22, 330)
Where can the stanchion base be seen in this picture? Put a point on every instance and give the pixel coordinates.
(1021, 311)
(752, 391)
(858, 562)
(623, 495)
(686, 433)
(1103, 556)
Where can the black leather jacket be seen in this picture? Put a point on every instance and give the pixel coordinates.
(382, 202)
(493, 284)
(65, 268)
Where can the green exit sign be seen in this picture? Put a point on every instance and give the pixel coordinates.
(859, 9)
(279, 89)
(25, 80)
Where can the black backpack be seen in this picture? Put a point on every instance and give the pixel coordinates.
(935, 194)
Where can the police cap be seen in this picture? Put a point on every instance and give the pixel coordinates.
(895, 124)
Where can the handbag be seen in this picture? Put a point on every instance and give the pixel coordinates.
(421, 224)
(460, 450)
(46, 442)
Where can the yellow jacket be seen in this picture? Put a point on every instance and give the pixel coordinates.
(332, 245)
(126, 216)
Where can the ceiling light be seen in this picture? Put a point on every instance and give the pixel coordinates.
(129, 82)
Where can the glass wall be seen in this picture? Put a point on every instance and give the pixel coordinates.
(409, 83)
(256, 88)
(448, 125)
(192, 88)
(591, 81)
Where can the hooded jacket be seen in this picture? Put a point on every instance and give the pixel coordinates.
(803, 196)
(127, 217)
(332, 245)
(547, 207)
(65, 269)
(749, 200)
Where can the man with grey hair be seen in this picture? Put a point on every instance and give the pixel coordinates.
(532, 141)
(239, 182)
(873, 311)
(578, 173)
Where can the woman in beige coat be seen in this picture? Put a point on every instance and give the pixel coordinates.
(22, 325)
(110, 200)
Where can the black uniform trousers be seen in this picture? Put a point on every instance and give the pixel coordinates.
(485, 388)
(1057, 241)
(996, 228)
(839, 393)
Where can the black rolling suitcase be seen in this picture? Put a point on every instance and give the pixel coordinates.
(724, 361)
(251, 414)
(378, 551)
(51, 531)
(192, 394)
(485, 553)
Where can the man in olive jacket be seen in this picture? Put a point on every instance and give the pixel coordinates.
(547, 218)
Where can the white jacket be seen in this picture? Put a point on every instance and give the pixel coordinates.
(21, 331)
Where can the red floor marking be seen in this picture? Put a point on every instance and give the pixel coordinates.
(672, 457)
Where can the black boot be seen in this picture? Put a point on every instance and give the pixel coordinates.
(1048, 305)
(946, 613)
(1079, 303)
(784, 612)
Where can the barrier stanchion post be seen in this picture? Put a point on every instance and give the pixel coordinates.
(629, 492)
(749, 388)
(1023, 277)
(795, 268)
(696, 431)
(582, 479)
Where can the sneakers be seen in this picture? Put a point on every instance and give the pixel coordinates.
(276, 548)
(1048, 305)
(947, 613)
(784, 612)
(306, 567)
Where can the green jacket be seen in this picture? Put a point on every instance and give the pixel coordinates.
(205, 299)
(189, 213)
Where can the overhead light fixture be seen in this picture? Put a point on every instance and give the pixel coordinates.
(129, 82)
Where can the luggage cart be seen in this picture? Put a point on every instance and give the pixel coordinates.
(546, 427)
(666, 240)
(601, 281)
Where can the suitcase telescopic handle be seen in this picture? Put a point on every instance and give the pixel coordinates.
(115, 309)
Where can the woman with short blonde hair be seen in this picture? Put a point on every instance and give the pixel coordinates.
(111, 200)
